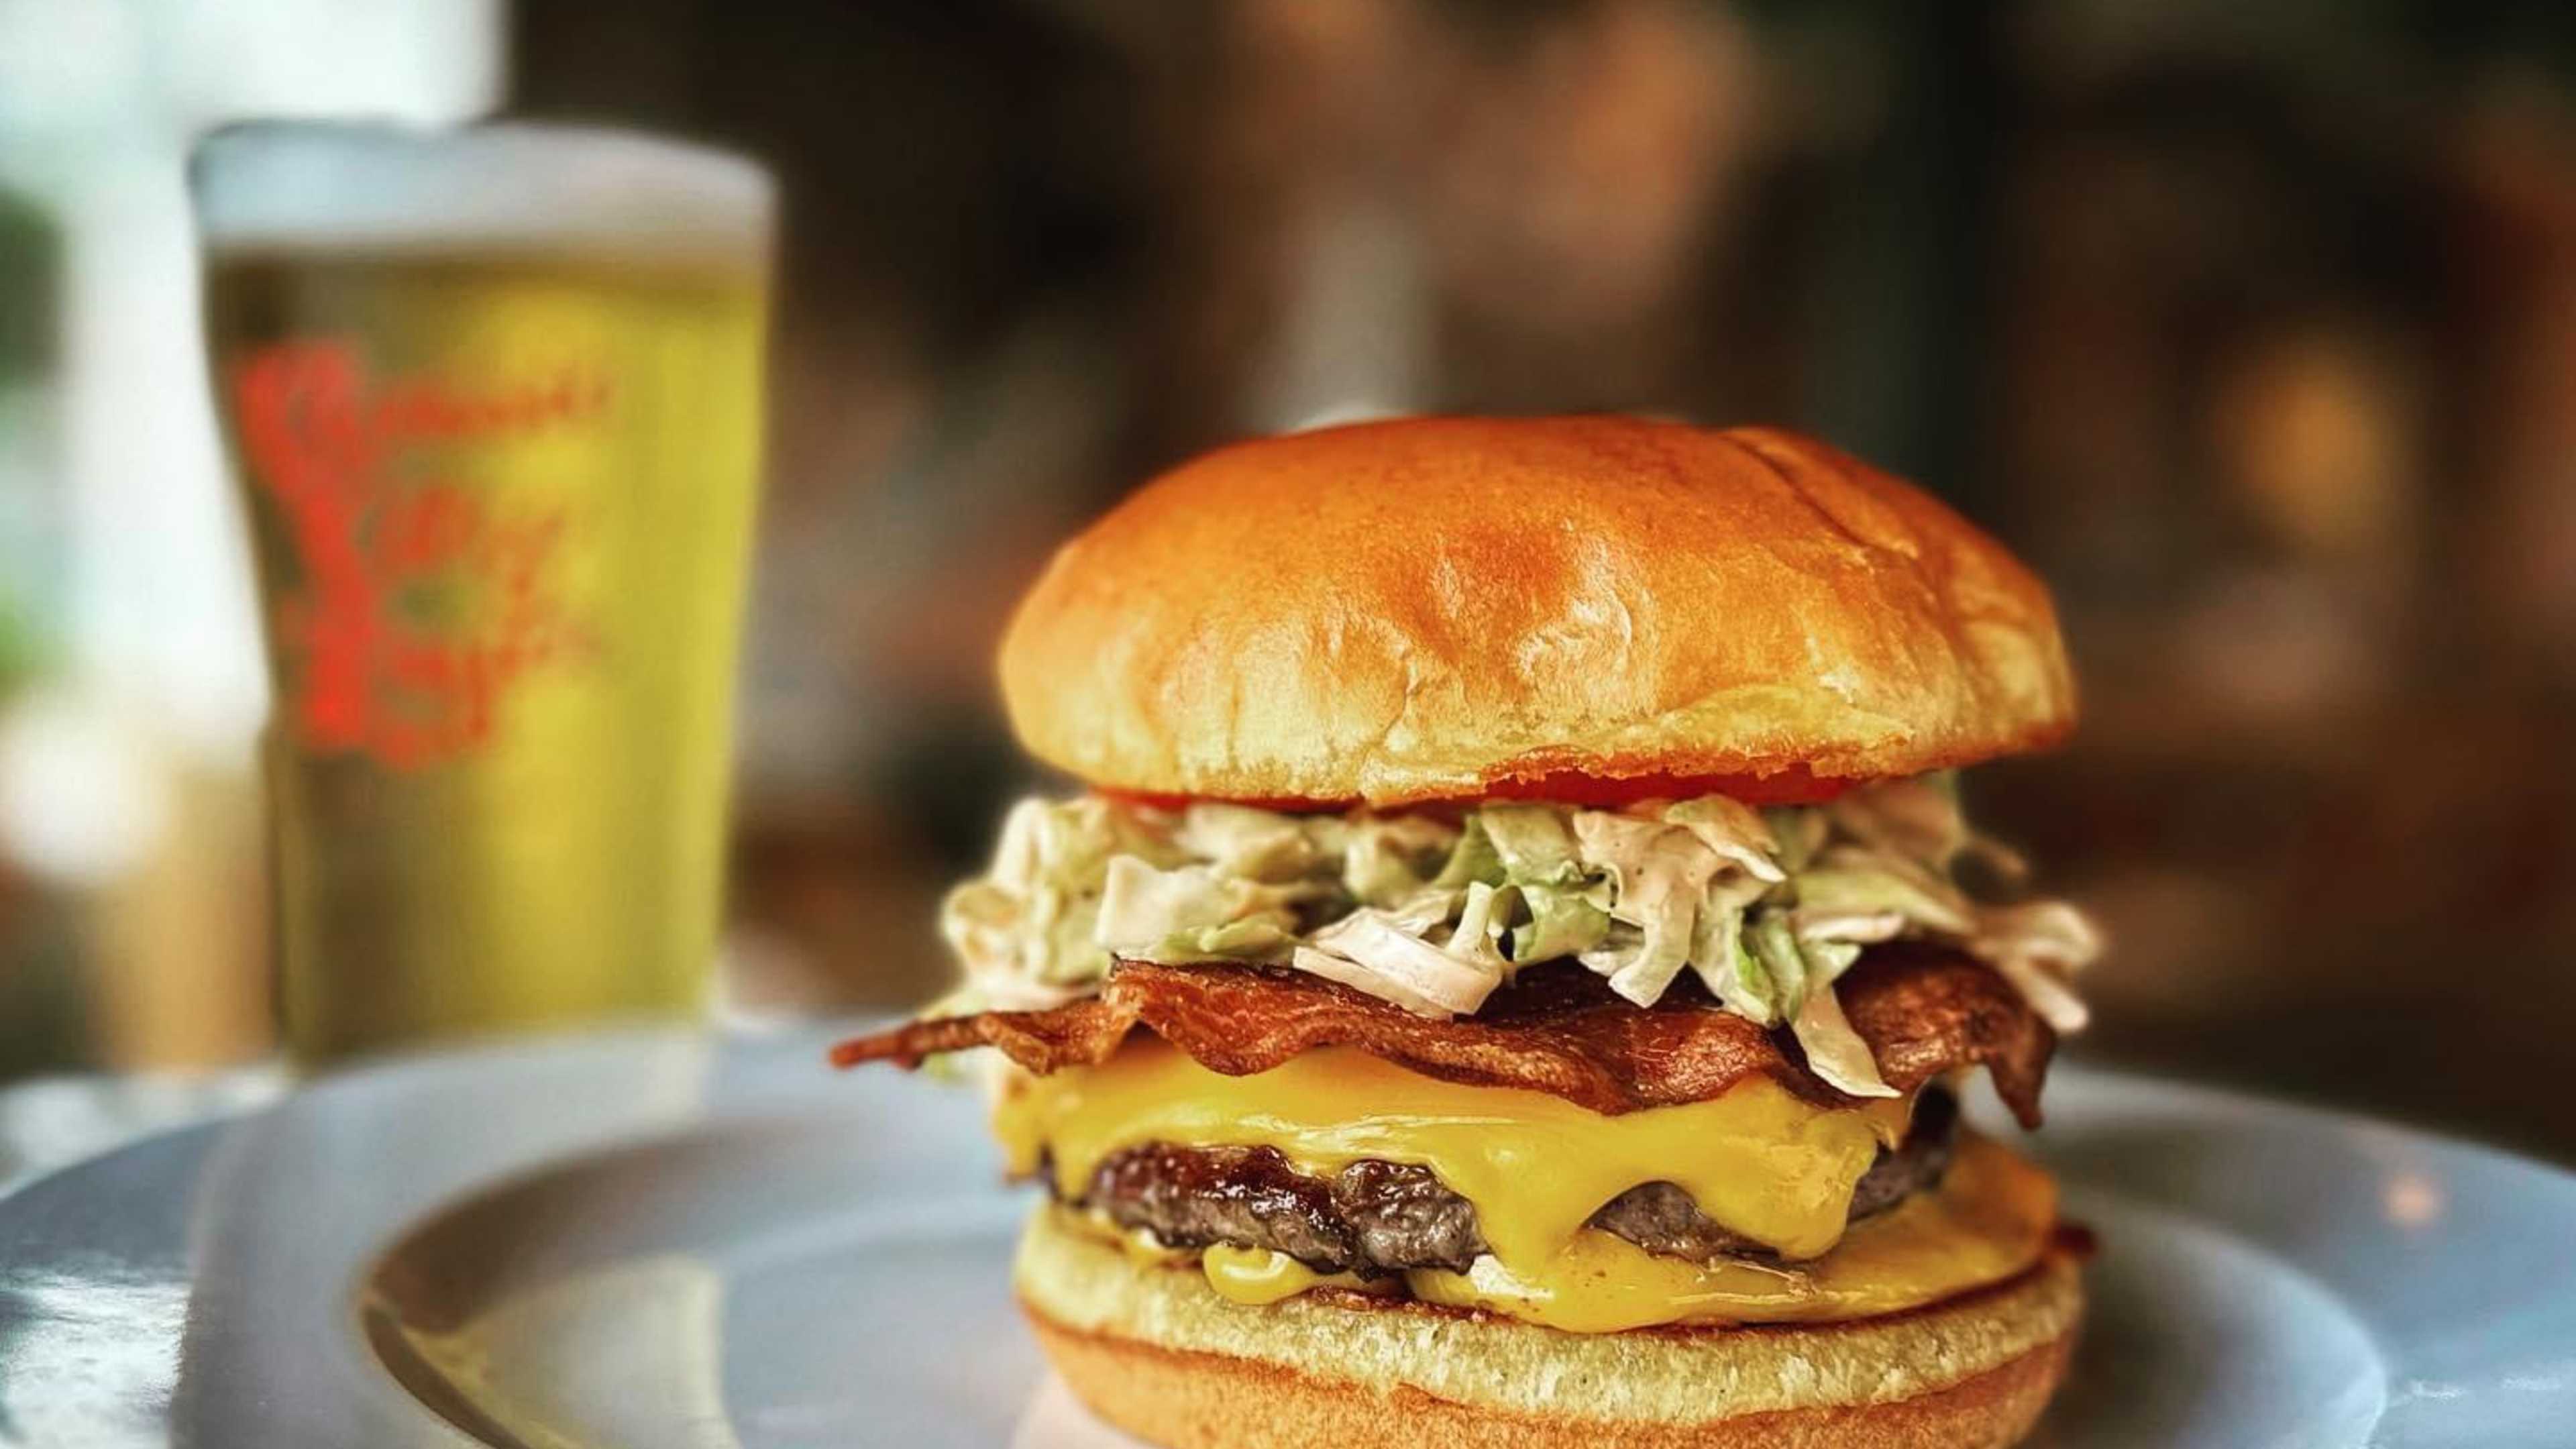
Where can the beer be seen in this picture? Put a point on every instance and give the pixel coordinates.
(500, 483)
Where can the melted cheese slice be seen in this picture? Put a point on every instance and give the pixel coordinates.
(1758, 1160)
(1989, 1220)
(1246, 1275)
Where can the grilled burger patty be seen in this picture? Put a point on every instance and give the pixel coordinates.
(1374, 1217)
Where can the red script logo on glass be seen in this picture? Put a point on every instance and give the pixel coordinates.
(425, 599)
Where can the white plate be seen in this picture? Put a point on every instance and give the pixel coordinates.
(649, 1240)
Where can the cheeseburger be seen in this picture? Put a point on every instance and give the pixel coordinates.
(1512, 964)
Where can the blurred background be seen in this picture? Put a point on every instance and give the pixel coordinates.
(2253, 327)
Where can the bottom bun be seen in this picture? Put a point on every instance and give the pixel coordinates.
(1152, 1349)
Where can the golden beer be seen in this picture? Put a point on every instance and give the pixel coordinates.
(500, 489)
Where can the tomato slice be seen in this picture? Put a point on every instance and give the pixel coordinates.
(1794, 786)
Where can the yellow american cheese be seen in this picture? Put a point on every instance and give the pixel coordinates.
(1758, 1160)
(1988, 1221)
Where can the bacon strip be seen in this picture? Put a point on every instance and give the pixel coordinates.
(1923, 1010)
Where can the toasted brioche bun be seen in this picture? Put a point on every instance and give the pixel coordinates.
(1152, 1349)
(1451, 607)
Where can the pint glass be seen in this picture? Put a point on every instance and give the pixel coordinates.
(492, 399)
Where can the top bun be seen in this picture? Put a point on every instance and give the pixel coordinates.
(1436, 608)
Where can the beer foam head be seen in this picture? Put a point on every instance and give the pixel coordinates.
(517, 187)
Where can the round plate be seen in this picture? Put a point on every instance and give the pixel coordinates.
(653, 1240)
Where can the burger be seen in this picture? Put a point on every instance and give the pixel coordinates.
(1512, 960)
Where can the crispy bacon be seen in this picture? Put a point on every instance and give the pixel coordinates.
(1923, 1010)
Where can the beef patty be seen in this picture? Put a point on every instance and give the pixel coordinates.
(1374, 1218)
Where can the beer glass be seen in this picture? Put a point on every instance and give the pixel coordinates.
(492, 399)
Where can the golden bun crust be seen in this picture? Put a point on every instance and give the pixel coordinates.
(1446, 607)
(1154, 1350)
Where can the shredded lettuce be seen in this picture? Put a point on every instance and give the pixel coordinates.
(1142, 910)
(1775, 946)
(1800, 834)
(1252, 940)
(1532, 843)
(1834, 1051)
(1859, 883)
(1376, 952)
(2037, 945)
(1386, 859)
(1481, 933)
(1474, 859)
(1417, 914)
(1722, 960)
(1239, 841)
(1915, 818)
(1765, 908)
(1656, 874)
(1734, 832)
(1555, 922)
(1024, 929)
